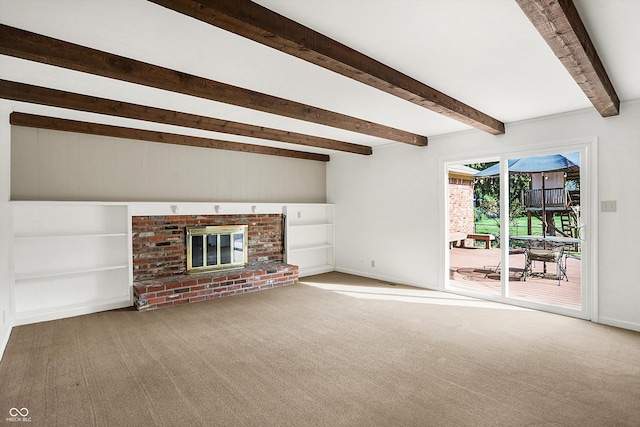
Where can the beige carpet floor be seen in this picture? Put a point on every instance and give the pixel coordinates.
(333, 350)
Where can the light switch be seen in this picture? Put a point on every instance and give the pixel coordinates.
(608, 206)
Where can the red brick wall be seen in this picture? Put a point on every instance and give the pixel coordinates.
(171, 291)
(461, 216)
(159, 242)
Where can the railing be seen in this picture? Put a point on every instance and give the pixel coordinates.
(554, 198)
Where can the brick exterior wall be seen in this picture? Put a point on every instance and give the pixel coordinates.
(160, 260)
(461, 216)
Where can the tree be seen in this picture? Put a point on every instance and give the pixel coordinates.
(490, 186)
(487, 193)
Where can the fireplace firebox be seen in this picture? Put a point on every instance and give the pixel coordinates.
(212, 248)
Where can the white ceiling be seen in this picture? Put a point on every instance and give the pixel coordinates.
(484, 53)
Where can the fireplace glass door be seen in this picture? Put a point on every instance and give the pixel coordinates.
(212, 249)
(216, 248)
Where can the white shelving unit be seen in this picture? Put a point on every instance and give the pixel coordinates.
(70, 258)
(309, 238)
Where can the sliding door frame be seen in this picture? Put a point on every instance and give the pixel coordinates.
(588, 149)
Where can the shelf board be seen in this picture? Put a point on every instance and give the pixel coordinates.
(70, 236)
(311, 224)
(50, 275)
(310, 247)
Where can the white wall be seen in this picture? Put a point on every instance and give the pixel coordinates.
(386, 212)
(391, 200)
(5, 227)
(54, 165)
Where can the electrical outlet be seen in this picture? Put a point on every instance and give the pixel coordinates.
(608, 206)
(373, 263)
(299, 214)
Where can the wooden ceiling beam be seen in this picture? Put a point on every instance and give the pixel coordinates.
(73, 101)
(255, 22)
(560, 25)
(53, 123)
(35, 47)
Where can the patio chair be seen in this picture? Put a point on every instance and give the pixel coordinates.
(546, 252)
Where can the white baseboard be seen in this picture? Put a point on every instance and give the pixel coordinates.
(619, 323)
(312, 271)
(69, 311)
(386, 278)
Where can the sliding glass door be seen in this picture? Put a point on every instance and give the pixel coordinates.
(545, 242)
(514, 230)
(474, 229)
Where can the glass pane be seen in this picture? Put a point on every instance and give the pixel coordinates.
(474, 228)
(196, 251)
(544, 239)
(212, 249)
(225, 249)
(238, 247)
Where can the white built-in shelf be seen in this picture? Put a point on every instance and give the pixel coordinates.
(70, 257)
(309, 237)
(53, 274)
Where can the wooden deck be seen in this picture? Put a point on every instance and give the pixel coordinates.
(476, 269)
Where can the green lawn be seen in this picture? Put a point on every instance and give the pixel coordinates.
(492, 226)
(519, 228)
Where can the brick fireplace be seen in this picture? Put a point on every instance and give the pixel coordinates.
(160, 260)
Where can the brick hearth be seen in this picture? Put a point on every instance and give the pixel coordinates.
(175, 290)
(159, 260)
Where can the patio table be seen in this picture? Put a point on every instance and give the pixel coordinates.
(555, 239)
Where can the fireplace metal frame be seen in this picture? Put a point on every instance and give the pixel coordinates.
(217, 231)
